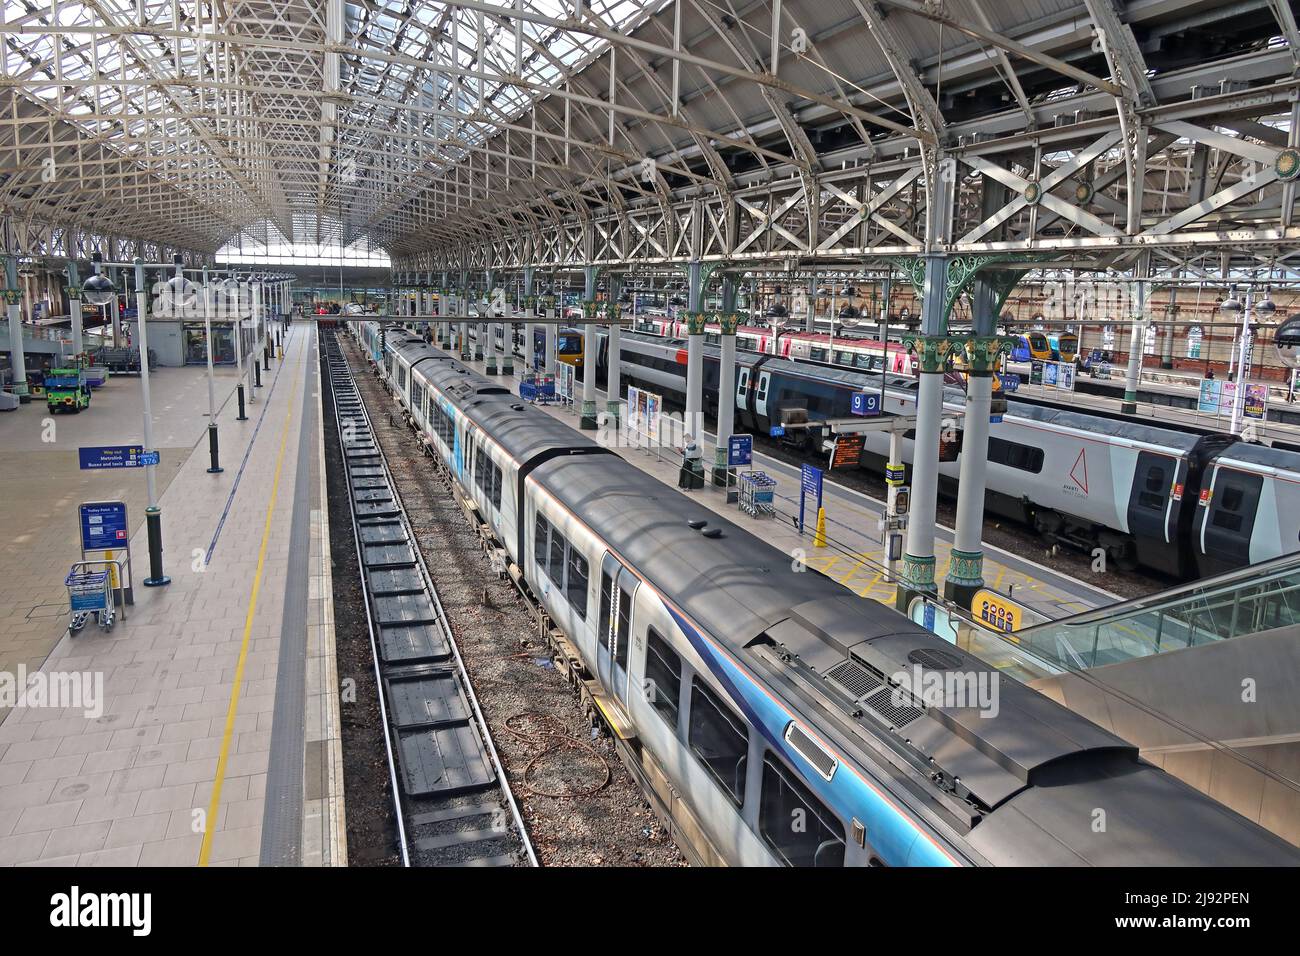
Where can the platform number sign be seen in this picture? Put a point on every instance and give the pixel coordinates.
(865, 403)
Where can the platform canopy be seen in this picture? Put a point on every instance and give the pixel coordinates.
(480, 134)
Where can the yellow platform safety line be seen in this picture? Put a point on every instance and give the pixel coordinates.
(209, 829)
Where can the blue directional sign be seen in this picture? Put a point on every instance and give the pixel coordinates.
(865, 403)
(150, 458)
(1010, 382)
(811, 480)
(111, 456)
(103, 525)
(740, 450)
(776, 431)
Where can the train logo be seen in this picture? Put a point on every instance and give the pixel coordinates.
(1079, 474)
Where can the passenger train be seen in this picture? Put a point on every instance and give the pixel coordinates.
(1186, 503)
(776, 717)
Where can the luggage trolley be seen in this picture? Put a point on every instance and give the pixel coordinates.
(89, 592)
(757, 494)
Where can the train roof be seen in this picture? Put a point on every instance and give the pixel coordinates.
(1264, 456)
(522, 430)
(832, 654)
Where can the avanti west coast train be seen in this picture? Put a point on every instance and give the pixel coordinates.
(777, 718)
(1184, 502)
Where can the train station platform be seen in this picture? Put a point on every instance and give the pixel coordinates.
(203, 728)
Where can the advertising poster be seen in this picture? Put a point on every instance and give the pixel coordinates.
(1066, 377)
(1209, 400)
(1255, 402)
(1227, 398)
(1036, 373)
(1051, 374)
(633, 411)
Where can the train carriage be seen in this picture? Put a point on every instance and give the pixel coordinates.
(1086, 479)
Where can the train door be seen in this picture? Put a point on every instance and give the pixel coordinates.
(760, 397)
(617, 590)
(1228, 520)
(742, 397)
(1151, 519)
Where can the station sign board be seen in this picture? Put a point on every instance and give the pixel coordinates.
(895, 474)
(997, 612)
(776, 431)
(865, 403)
(740, 450)
(96, 457)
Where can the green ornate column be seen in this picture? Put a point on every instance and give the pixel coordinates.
(17, 355)
(728, 322)
(613, 376)
(966, 568)
(588, 420)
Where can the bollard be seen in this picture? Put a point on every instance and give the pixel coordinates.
(241, 417)
(213, 452)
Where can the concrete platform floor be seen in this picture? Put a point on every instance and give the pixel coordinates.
(165, 757)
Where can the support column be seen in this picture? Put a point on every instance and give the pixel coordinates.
(726, 394)
(489, 335)
(588, 420)
(1136, 338)
(214, 447)
(555, 308)
(530, 312)
(614, 355)
(966, 569)
(508, 338)
(729, 286)
(462, 308)
(74, 309)
(917, 577)
(152, 513)
(237, 327)
(115, 310)
(693, 420)
(17, 355)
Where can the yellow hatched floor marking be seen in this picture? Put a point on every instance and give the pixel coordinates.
(205, 851)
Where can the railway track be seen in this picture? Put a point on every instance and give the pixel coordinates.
(452, 799)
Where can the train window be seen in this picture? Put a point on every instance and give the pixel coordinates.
(576, 589)
(795, 824)
(843, 358)
(606, 604)
(864, 361)
(817, 355)
(624, 628)
(1152, 494)
(762, 387)
(663, 677)
(541, 534)
(712, 338)
(719, 739)
(555, 569)
(1227, 512)
(496, 487)
(1014, 455)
